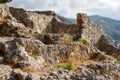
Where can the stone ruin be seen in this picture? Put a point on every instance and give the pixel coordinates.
(31, 39)
(48, 22)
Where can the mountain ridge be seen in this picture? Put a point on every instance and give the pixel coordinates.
(110, 26)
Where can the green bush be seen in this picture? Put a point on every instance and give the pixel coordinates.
(80, 40)
(5, 1)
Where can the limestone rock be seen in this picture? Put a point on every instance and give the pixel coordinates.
(1, 59)
(51, 38)
(14, 53)
(22, 64)
(109, 47)
(5, 72)
(33, 77)
(18, 74)
(4, 13)
(103, 71)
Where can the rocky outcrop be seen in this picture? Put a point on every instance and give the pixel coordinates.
(30, 41)
(103, 71)
(9, 25)
(15, 54)
(109, 47)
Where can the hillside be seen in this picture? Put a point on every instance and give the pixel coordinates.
(110, 26)
(41, 45)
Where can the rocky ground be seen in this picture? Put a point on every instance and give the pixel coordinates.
(38, 45)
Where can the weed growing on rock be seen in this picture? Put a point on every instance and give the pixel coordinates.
(69, 65)
(62, 33)
(81, 41)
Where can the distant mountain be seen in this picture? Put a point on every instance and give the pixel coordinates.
(110, 26)
(63, 19)
(73, 21)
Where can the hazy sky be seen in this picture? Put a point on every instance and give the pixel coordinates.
(69, 8)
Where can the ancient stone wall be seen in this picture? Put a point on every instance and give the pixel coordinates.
(61, 27)
(48, 13)
(48, 22)
(39, 20)
(43, 21)
(89, 31)
(19, 14)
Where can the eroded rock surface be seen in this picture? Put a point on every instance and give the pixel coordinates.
(103, 71)
(109, 47)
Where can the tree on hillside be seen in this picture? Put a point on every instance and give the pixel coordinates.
(5, 1)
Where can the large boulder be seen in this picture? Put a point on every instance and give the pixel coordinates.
(15, 53)
(17, 74)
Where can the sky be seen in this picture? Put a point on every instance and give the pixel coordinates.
(69, 8)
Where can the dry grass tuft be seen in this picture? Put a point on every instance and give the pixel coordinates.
(102, 57)
(65, 40)
(30, 69)
(2, 20)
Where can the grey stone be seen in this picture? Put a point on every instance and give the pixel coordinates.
(99, 78)
(18, 74)
(5, 72)
(32, 76)
(22, 64)
(1, 59)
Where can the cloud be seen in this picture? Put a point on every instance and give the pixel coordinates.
(69, 8)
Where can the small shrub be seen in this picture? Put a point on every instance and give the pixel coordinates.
(62, 33)
(31, 68)
(80, 40)
(69, 65)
